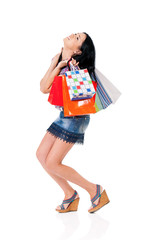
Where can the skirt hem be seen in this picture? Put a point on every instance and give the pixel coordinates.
(64, 135)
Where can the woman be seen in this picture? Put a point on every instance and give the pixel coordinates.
(64, 132)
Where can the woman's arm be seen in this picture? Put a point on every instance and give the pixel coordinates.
(46, 86)
(49, 71)
(47, 91)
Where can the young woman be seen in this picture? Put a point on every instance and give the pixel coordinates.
(64, 132)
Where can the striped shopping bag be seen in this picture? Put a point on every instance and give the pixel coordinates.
(106, 92)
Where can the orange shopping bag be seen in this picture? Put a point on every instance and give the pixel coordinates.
(77, 107)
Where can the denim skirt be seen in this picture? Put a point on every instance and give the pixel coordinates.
(70, 129)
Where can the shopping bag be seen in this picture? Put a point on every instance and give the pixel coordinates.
(102, 99)
(98, 104)
(55, 95)
(107, 91)
(78, 107)
(79, 84)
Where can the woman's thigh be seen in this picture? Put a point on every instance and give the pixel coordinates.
(45, 146)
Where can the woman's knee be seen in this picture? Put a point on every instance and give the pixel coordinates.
(52, 165)
(40, 156)
(45, 147)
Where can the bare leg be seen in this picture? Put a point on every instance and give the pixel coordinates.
(54, 165)
(41, 153)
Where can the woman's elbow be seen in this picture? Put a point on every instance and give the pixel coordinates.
(44, 90)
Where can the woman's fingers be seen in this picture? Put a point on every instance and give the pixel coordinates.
(74, 62)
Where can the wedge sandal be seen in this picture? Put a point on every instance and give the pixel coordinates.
(72, 206)
(102, 201)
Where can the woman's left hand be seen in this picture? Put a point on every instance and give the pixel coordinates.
(73, 61)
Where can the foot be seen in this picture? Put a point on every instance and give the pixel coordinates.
(67, 197)
(93, 193)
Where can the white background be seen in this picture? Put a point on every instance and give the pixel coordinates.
(121, 142)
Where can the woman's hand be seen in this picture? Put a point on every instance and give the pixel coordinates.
(63, 63)
(73, 61)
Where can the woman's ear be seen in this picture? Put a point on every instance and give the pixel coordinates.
(77, 52)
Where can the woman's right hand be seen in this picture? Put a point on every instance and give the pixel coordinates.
(63, 63)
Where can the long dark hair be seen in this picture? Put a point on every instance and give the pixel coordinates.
(87, 58)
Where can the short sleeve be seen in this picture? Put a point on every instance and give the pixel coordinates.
(74, 68)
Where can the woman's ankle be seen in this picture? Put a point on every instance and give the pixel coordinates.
(91, 188)
(69, 192)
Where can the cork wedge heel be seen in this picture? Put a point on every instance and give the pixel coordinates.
(102, 201)
(73, 204)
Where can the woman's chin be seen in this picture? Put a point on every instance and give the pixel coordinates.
(65, 41)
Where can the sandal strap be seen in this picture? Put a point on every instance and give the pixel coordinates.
(69, 200)
(97, 194)
(94, 205)
(62, 206)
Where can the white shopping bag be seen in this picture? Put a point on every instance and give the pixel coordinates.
(112, 91)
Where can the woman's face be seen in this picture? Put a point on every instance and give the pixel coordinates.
(74, 41)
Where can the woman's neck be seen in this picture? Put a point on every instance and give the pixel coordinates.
(66, 53)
